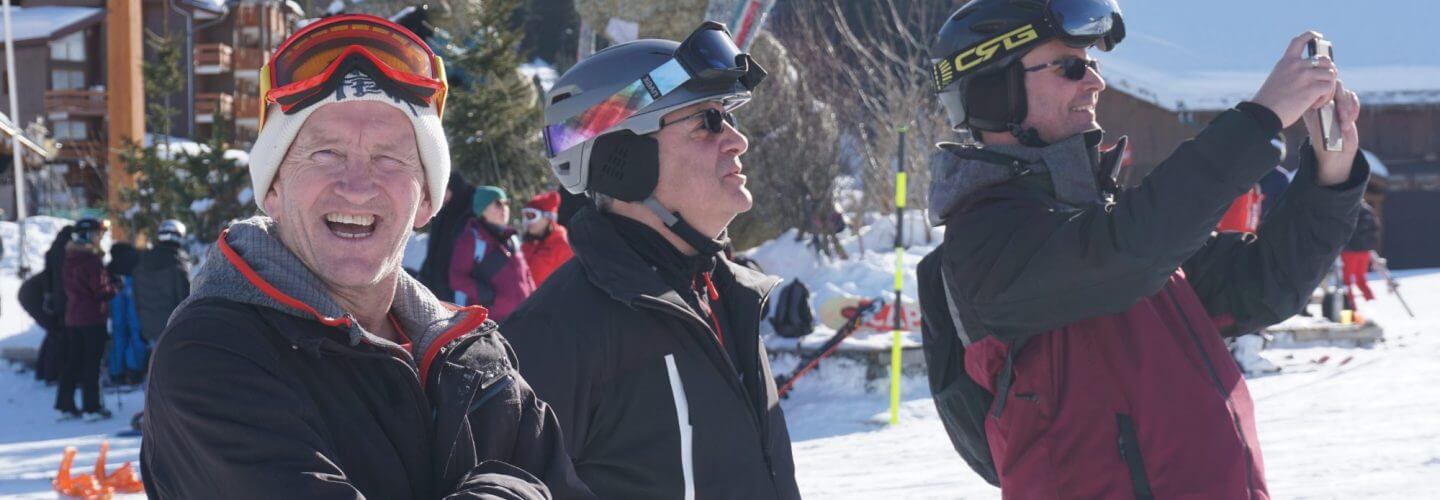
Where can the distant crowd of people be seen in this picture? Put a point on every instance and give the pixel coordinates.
(83, 303)
(475, 257)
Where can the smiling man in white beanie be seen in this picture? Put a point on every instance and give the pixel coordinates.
(306, 363)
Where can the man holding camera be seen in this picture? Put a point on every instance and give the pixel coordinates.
(1073, 325)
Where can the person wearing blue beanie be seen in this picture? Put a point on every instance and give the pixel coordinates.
(487, 267)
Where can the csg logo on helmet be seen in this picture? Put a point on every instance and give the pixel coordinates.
(948, 69)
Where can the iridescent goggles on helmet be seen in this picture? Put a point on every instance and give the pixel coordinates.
(708, 60)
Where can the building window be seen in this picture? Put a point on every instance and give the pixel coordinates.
(72, 130)
(67, 79)
(69, 48)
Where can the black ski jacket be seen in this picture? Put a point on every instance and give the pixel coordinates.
(263, 387)
(1072, 289)
(434, 272)
(162, 282)
(1367, 231)
(651, 404)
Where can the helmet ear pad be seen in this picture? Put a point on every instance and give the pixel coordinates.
(625, 166)
(996, 100)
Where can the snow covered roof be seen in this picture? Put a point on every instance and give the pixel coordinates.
(1210, 55)
(42, 23)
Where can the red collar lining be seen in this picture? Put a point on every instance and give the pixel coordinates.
(274, 293)
(477, 314)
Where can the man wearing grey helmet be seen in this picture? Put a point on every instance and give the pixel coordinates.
(646, 344)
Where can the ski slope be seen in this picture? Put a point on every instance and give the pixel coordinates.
(1365, 423)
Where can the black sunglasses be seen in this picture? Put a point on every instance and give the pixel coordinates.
(715, 120)
(1071, 67)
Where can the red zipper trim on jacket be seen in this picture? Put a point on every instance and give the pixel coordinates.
(274, 293)
(406, 345)
(477, 316)
(714, 296)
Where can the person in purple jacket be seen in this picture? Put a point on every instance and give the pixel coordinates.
(487, 267)
(88, 291)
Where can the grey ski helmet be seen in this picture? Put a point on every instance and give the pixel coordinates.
(170, 230)
(975, 58)
(598, 113)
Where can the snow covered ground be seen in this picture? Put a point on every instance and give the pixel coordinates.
(1338, 422)
(1361, 424)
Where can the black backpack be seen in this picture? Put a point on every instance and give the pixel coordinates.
(793, 317)
(963, 405)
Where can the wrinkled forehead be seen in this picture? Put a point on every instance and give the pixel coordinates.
(369, 125)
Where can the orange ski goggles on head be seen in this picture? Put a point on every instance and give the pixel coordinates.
(314, 61)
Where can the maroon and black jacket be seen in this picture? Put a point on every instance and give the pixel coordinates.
(88, 289)
(488, 268)
(1082, 342)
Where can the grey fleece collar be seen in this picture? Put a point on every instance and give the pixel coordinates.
(1073, 165)
(423, 317)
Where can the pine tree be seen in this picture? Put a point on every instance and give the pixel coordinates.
(493, 114)
(157, 191)
(216, 184)
(201, 187)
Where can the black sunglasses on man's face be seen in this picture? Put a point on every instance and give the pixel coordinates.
(1071, 67)
(715, 120)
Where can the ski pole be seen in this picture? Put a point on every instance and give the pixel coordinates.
(1390, 281)
(899, 307)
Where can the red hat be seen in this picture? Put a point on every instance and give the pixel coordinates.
(545, 202)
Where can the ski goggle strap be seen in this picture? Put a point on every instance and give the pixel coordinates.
(707, 59)
(1077, 23)
(310, 63)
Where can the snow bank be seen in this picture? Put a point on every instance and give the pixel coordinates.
(40, 231)
(868, 274)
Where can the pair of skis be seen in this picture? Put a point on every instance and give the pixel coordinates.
(854, 319)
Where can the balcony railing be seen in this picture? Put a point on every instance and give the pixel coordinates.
(250, 59)
(248, 15)
(80, 150)
(247, 107)
(74, 103)
(213, 58)
(207, 103)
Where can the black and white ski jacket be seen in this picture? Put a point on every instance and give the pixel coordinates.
(651, 404)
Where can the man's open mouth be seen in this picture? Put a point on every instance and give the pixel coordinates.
(351, 226)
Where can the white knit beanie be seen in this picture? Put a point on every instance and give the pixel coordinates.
(280, 130)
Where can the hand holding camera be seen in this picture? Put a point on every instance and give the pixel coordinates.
(1305, 84)
(1298, 83)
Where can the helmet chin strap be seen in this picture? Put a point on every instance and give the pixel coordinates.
(1027, 136)
(706, 245)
